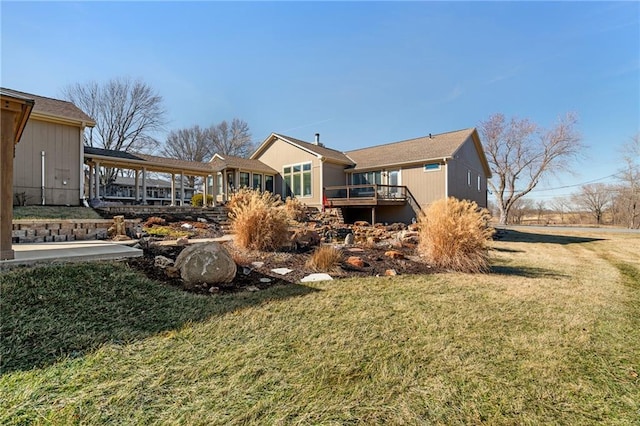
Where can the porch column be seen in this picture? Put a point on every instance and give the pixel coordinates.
(7, 146)
(181, 188)
(225, 186)
(204, 192)
(373, 216)
(214, 188)
(137, 186)
(91, 177)
(144, 186)
(173, 189)
(97, 181)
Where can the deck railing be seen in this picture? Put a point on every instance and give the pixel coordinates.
(363, 193)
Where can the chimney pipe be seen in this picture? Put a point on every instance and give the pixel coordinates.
(430, 137)
(317, 138)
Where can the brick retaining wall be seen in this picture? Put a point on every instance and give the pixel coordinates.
(52, 230)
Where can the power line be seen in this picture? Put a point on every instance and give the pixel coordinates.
(572, 186)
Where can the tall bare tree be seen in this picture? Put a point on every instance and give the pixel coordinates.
(127, 113)
(629, 188)
(595, 198)
(192, 144)
(521, 153)
(232, 139)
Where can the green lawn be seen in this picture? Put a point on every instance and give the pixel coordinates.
(54, 212)
(551, 337)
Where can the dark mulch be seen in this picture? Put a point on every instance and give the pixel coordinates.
(262, 276)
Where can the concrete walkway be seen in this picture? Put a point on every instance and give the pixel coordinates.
(70, 251)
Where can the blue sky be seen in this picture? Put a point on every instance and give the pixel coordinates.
(359, 73)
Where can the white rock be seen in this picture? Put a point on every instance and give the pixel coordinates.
(316, 277)
(208, 263)
(257, 264)
(265, 280)
(252, 288)
(186, 226)
(282, 271)
(202, 220)
(162, 262)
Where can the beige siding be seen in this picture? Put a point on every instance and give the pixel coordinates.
(280, 154)
(466, 162)
(426, 186)
(61, 144)
(334, 174)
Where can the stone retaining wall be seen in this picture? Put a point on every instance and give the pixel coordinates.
(52, 230)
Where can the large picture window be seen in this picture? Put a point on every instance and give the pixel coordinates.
(297, 180)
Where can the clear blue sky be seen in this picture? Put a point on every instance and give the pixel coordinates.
(359, 73)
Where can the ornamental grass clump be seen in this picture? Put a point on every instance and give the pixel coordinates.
(295, 209)
(325, 259)
(455, 235)
(258, 220)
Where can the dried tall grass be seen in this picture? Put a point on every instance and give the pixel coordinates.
(258, 220)
(454, 235)
(325, 259)
(295, 209)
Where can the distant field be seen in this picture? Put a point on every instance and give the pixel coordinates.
(54, 212)
(551, 336)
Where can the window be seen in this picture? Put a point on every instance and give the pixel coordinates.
(431, 167)
(268, 183)
(297, 180)
(244, 179)
(366, 178)
(257, 182)
(479, 184)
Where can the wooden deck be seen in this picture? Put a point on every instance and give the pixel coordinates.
(365, 195)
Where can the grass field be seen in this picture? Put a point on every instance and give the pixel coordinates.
(551, 336)
(54, 212)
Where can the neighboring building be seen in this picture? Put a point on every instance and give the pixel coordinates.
(48, 161)
(123, 189)
(386, 183)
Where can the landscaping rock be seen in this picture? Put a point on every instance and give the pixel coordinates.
(360, 223)
(316, 277)
(281, 271)
(305, 238)
(162, 262)
(390, 273)
(182, 241)
(356, 262)
(208, 263)
(394, 254)
(252, 288)
(349, 239)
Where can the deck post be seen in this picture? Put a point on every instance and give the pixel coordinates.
(373, 216)
(97, 181)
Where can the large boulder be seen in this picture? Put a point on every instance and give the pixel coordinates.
(206, 263)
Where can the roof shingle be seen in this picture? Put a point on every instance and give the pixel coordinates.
(54, 107)
(410, 151)
(328, 153)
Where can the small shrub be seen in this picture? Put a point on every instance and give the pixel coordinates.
(324, 259)
(154, 220)
(196, 200)
(295, 209)
(454, 235)
(257, 221)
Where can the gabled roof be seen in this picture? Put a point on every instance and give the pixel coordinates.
(426, 148)
(220, 162)
(54, 108)
(317, 150)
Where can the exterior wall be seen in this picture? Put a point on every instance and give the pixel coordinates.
(466, 161)
(426, 186)
(280, 154)
(61, 144)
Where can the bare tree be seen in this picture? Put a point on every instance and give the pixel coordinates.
(595, 198)
(560, 205)
(520, 154)
(629, 189)
(192, 144)
(232, 139)
(127, 113)
(520, 208)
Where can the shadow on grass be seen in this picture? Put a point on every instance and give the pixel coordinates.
(525, 271)
(509, 235)
(65, 311)
(506, 250)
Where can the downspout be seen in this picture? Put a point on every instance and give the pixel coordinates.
(321, 181)
(81, 181)
(42, 155)
(446, 178)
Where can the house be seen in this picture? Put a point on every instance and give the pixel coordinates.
(48, 161)
(386, 183)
